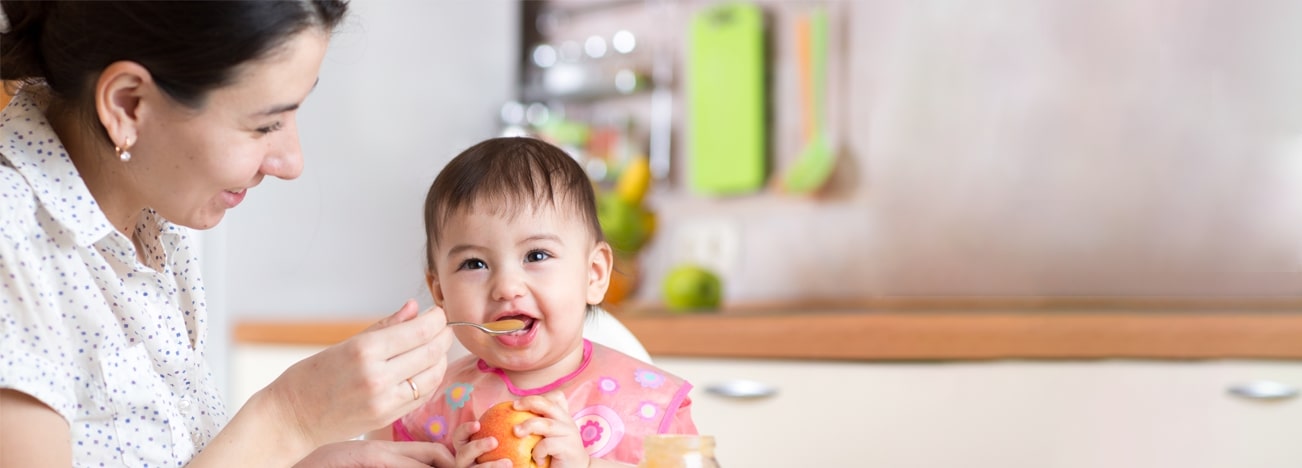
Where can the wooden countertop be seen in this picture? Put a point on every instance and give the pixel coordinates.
(934, 329)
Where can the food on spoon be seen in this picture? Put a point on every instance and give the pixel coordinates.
(505, 325)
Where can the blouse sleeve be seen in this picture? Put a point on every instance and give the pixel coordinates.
(34, 347)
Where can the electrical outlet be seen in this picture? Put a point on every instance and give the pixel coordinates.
(714, 244)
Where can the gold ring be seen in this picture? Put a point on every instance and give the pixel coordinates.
(415, 392)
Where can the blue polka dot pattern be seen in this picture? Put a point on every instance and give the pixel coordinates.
(113, 344)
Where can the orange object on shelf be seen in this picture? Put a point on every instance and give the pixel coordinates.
(623, 280)
(804, 65)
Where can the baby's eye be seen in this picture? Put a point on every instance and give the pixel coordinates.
(473, 264)
(270, 128)
(536, 256)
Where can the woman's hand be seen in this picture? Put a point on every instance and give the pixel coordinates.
(366, 381)
(378, 454)
(561, 439)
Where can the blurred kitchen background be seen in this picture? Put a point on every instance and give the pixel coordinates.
(1125, 176)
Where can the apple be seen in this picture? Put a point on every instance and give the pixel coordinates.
(690, 287)
(499, 421)
(624, 224)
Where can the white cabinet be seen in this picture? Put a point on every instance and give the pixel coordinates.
(998, 414)
(253, 366)
(1003, 414)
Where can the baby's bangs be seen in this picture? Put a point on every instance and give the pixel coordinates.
(508, 187)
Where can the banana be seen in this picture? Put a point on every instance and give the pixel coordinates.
(634, 182)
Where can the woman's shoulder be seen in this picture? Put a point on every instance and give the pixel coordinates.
(18, 204)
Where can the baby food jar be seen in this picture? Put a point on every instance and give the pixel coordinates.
(678, 451)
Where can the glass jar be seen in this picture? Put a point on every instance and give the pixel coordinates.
(678, 451)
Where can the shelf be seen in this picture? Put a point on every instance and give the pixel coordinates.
(929, 329)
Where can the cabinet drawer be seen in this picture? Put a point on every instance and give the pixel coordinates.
(1005, 414)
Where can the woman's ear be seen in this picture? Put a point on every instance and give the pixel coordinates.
(118, 97)
(432, 280)
(600, 263)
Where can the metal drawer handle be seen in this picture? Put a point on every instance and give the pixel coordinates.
(742, 389)
(1264, 390)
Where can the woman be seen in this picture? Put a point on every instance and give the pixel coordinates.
(135, 116)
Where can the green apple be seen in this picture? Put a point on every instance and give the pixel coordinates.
(692, 287)
(624, 224)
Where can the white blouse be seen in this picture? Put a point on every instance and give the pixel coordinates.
(115, 346)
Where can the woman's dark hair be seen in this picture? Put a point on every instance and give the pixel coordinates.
(504, 174)
(189, 47)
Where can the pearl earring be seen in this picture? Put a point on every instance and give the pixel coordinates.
(123, 154)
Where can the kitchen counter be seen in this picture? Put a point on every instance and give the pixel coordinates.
(916, 365)
(933, 329)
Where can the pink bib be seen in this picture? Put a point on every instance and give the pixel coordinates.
(617, 400)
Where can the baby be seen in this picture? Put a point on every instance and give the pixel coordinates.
(513, 234)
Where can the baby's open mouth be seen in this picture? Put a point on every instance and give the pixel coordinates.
(528, 323)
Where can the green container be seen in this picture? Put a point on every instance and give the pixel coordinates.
(726, 150)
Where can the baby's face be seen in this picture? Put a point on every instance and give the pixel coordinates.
(540, 266)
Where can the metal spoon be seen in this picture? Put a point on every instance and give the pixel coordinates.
(499, 327)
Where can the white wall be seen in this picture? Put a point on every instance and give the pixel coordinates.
(1014, 147)
(405, 85)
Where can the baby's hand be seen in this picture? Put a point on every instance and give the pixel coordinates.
(561, 439)
(467, 450)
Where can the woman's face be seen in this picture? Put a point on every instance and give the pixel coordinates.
(192, 165)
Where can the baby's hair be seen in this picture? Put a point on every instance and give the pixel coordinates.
(505, 176)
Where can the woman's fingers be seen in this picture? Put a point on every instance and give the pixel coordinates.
(403, 331)
(414, 349)
(362, 383)
(367, 453)
(398, 338)
(408, 311)
(421, 386)
(425, 453)
(424, 365)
